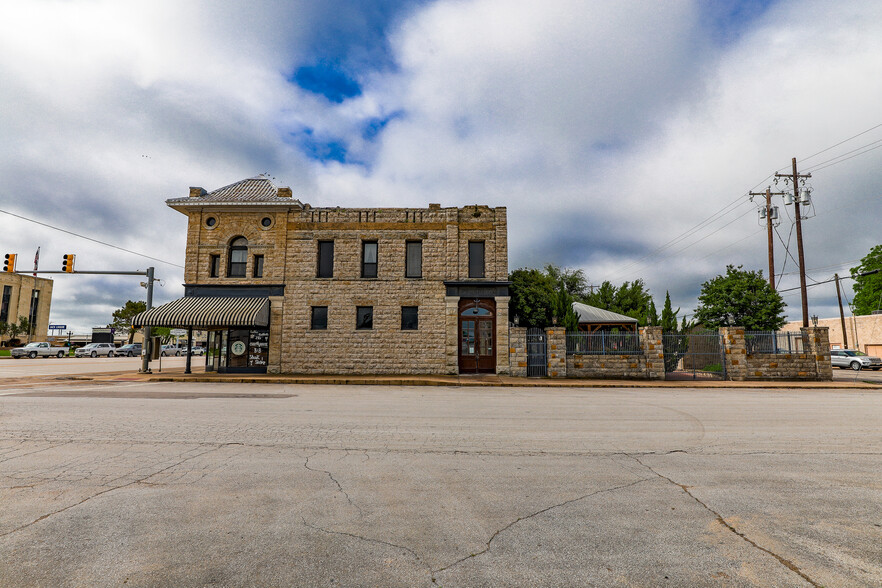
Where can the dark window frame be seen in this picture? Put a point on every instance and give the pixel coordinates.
(5, 302)
(236, 268)
(214, 265)
(408, 270)
(257, 266)
(34, 309)
(370, 269)
(410, 318)
(364, 318)
(316, 321)
(324, 267)
(474, 270)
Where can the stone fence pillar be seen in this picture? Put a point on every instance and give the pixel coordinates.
(653, 352)
(517, 351)
(818, 346)
(736, 353)
(557, 352)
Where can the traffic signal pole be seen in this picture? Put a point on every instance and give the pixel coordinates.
(145, 348)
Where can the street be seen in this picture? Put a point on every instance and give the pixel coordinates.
(52, 366)
(118, 482)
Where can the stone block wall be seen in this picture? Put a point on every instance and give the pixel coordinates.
(518, 351)
(607, 367)
(557, 352)
(813, 364)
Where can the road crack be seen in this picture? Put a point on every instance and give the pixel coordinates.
(530, 516)
(106, 490)
(334, 480)
(783, 561)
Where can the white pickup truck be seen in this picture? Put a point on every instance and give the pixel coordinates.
(41, 349)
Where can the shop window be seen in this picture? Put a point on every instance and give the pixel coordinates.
(238, 258)
(214, 266)
(364, 317)
(476, 259)
(413, 260)
(319, 319)
(410, 318)
(325, 259)
(369, 259)
(258, 266)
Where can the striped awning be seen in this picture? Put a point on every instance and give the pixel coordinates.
(207, 312)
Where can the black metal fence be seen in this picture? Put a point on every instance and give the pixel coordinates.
(774, 342)
(696, 355)
(603, 343)
(537, 349)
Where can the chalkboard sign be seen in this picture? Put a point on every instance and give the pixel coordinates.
(258, 348)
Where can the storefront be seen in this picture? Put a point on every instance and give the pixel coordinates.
(238, 329)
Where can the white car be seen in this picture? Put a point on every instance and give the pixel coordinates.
(171, 350)
(856, 360)
(95, 350)
(38, 349)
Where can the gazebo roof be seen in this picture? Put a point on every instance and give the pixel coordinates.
(594, 315)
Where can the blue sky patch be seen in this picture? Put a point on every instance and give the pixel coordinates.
(328, 80)
(374, 126)
(729, 19)
(322, 149)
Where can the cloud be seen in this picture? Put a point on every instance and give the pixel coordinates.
(609, 130)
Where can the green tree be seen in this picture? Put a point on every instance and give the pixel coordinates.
(630, 299)
(532, 296)
(652, 316)
(574, 280)
(122, 318)
(562, 308)
(15, 329)
(164, 334)
(868, 289)
(668, 320)
(741, 298)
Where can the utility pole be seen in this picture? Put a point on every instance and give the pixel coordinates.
(795, 176)
(145, 346)
(768, 194)
(841, 314)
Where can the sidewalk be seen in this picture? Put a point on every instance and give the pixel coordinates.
(177, 375)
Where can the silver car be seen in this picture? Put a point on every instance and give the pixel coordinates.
(95, 349)
(856, 360)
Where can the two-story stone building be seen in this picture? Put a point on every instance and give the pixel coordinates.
(285, 287)
(23, 295)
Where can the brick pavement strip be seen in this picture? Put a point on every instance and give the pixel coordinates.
(155, 483)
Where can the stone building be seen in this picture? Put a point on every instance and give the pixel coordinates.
(285, 287)
(863, 332)
(23, 295)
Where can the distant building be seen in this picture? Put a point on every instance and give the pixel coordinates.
(285, 287)
(27, 296)
(864, 332)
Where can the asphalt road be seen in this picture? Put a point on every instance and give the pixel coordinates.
(52, 366)
(155, 484)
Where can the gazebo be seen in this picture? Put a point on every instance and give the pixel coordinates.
(593, 319)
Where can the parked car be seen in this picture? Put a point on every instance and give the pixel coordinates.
(96, 349)
(130, 350)
(38, 349)
(856, 360)
(197, 351)
(171, 350)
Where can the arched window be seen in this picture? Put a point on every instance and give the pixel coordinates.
(238, 257)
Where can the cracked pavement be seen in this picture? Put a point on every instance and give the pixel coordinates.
(273, 485)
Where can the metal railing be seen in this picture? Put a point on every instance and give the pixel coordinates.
(603, 343)
(774, 342)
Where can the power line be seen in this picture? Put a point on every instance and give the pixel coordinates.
(841, 142)
(847, 158)
(818, 165)
(875, 271)
(30, 220)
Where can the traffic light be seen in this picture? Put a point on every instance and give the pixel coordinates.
(68, 263)
(9, 263)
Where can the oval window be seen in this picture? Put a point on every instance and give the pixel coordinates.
(266, 221)
(210, 221)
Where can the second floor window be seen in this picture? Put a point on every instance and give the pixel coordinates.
(4, 304)
(413, 260)
(369, 259)
(364, 317)
(476, 259)
(319, 319)
(258, 266)
(238, 258)
(214, 266)
(325, 259)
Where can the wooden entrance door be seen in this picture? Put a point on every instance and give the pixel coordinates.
(477, 336)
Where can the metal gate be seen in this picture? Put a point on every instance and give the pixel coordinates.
(698, 355)
(537, 349)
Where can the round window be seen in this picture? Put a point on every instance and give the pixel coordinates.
(266, 221)
(210, 221)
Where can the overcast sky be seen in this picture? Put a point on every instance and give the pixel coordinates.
(622, 136)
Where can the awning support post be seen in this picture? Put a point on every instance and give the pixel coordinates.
(189, 349)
